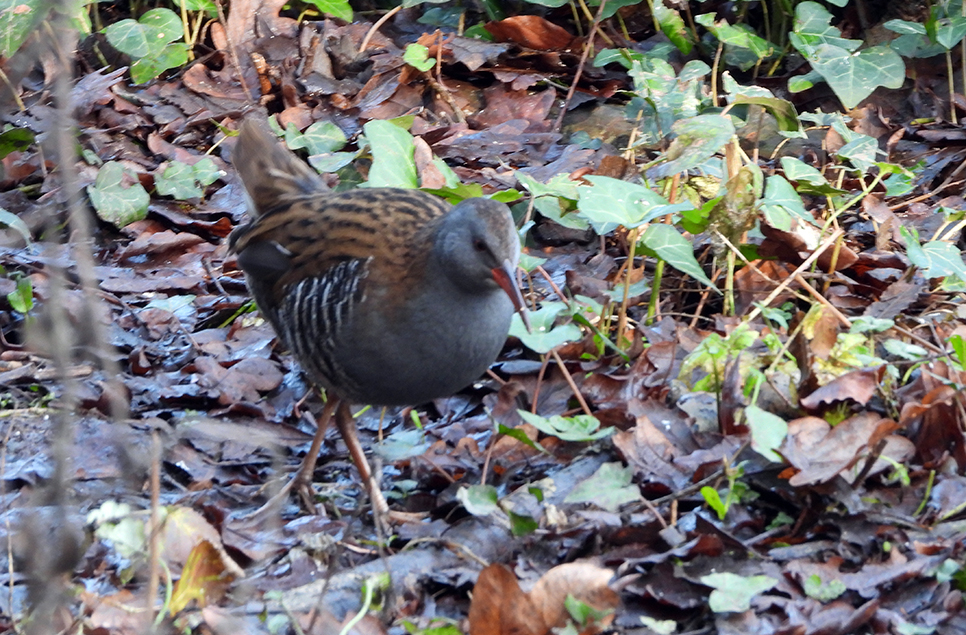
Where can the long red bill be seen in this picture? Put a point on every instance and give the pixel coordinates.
(505, 276)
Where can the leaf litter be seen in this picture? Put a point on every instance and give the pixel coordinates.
(857, 529)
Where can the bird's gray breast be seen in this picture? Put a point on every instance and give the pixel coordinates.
(430, 349)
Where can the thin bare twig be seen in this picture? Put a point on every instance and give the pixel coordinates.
(232, 49)
(828, 242)
(154, 574)
(588, 47)
(375, 27)
(570, 382)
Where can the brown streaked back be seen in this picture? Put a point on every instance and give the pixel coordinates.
(294, 210)
(269, 171)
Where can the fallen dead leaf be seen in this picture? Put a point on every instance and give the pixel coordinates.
(531, 31)
(858, 386)
(204, 579)
(821, 452)
(500, 607)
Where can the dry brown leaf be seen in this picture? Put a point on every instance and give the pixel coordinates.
(825, 332)
(821, 452)
(203, 579)
(858, 386)
(182, 530)
(430, 175)
(531, 31)
(120, 613)
(754, 284)
(585, 581)
(500, 607)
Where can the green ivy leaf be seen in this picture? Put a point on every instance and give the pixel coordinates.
(781, 196)
(608, 488)
(624, 57)
(479, 500)
(860, 152)
(178, 181)
(135, 39)
(21, 299)
(798, 170)
(950, 31)
(905, 27)
(319, 138)
(393, 162)
(147, 37)
(543, 336)
(519, 435)
(781, 109)
(417, 55)
(331, 162)
(665, 242)
(944, 259)
(529, 262)
(697, 139)
(813, 28)
(182, 181)
(673, 26)
(905, 350)
(612, 203)
(506, 196)
(166, 21)
(149, 67)
(11, 220)
(403, 445)
(555, 199)
(867, 324)
(336, 8)
(853, 76)
(801, 83)
(612, 6)
(452, 180)
(768, 431)
(815, 588)
(15, 140)
(738, 36)
(208, 6)
(959, 348)
(117, 195)
(206, 172)
(323, 140)
(696, 220)
(899, 184)
(583, 614)
(733, 593)
(559, 186)
(522, 525)
(20, 19)
(713, 499)
(457, 193)
(582, 428)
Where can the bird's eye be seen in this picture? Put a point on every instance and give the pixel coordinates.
(479, 245)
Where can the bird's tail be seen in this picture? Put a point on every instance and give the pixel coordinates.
(270, 172)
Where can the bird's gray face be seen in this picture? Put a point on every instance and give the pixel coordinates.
(478, 239)
(480, 249)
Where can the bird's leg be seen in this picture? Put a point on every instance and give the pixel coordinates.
(347, 428)
(303, 478)
(383, 517)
